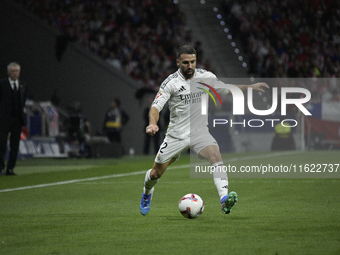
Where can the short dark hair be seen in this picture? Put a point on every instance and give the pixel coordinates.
(185, 49)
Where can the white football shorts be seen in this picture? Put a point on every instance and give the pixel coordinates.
(172, 148)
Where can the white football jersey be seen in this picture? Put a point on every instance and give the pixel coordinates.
(185, 100)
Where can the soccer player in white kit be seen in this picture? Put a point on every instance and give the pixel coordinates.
(176, 90)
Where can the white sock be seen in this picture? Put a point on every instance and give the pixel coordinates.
(148, 184)
(220, 180)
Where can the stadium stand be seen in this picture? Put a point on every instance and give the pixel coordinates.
(295, 39)
(285, 39)
(139, 38)
(288, 38)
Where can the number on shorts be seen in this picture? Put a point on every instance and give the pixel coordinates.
(163, 147)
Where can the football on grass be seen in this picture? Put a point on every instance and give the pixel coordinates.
(191, 206)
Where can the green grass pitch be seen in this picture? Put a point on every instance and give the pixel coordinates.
(91, 206)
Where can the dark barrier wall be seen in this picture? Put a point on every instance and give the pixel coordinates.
(78, 76)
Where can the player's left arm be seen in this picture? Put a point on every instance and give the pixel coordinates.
(218, 84)
(256, 86)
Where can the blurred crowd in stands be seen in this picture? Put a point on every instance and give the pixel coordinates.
(138, 37)
(287, 38)
(290, 38)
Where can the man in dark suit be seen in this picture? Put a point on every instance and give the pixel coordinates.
(12, 101)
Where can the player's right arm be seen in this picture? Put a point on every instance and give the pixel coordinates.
(153, 128)
(161, 98)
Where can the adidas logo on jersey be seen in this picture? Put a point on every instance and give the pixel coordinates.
(181, 89)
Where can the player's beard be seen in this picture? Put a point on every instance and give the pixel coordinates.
(188, 75)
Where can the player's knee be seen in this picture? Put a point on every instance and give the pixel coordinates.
(155, 174)
(215, 157)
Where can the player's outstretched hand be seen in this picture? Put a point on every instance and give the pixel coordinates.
(259, 86)
(152, 129)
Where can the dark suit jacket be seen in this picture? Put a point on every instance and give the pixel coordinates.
(6, 100)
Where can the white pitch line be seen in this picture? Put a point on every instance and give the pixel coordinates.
(85, 179)
(134, 173)
(73, 181)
